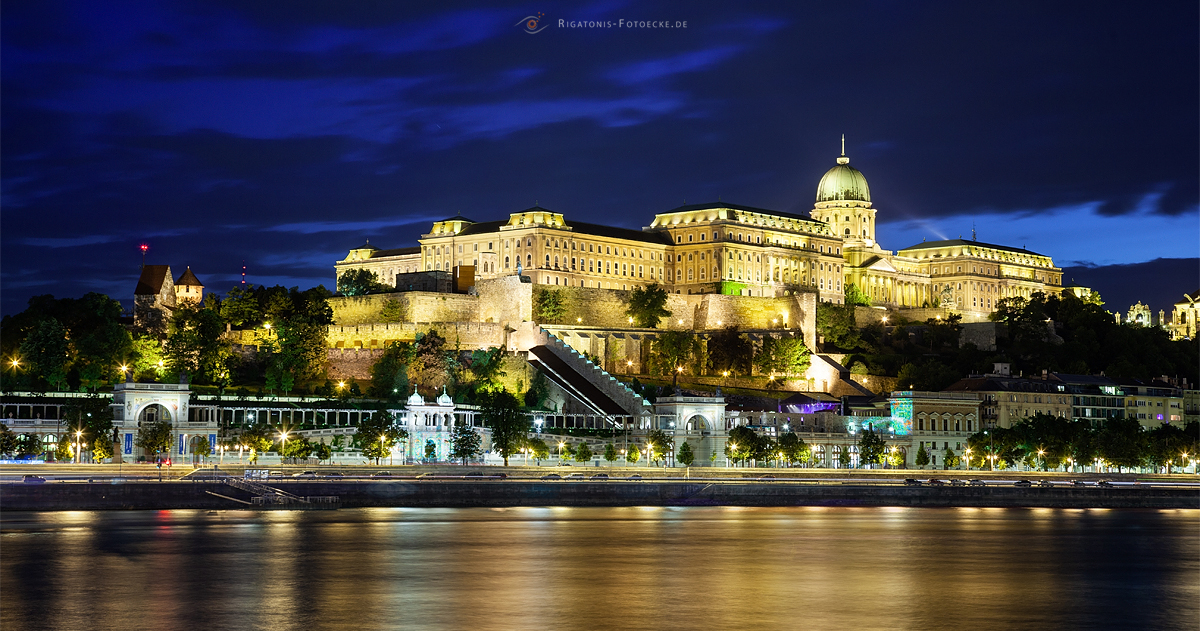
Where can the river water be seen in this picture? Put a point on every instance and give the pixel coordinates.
(602, 568)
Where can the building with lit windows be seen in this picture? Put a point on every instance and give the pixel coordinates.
(722, 248)
(1184, 317)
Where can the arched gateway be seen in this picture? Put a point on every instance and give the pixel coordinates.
(135, 403)
(698, 420)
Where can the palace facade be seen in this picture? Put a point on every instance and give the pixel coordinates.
(729, 249)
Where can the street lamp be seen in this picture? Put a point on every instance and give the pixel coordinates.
(78, 435)
(282, 444)
(967, 453)
(732, 452)
(183, 445)
(1042, 455)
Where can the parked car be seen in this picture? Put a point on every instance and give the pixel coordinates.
(600, 476)
(978, 482)
(634, 477)
(958, 482)
(381, 474)
(1104, 483)
(307, 475)
(1078, 483)
(552, 476)
(564, 464)
(1045, 483)
(1025, 483)
(427, 475)
(574, 476)
(32, 479)
(766, 478)
(333, 474)
(912, 482)
(935, 482)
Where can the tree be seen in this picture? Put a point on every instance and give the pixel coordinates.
(856, 296)
(240, 306)
(379, 433)
(389, 374)
(896, 458)
(786, 355)
(360, 282)
(156, 437)
(743, 443)
(431, 364)
(632, 455)
(147, 360)
(465, 443)
(549, 306)
(298, 447)
(430, 450)
(836, 325)
(870, 447)
(196, 344)
(950, 460)
(502, 412)
(844, 458)
(610, 452)
(661, 445)
(685, 456)
(1121, 442)
(922, 456)
(322, 451)
(10, 443)
(538, 449)
(29, 445)
(673, 351)
(538, 392)
(647, 306)
(204, 449)
(729, 350)
(65, 450)
(583, 453)
(45, 351)
(792, 447)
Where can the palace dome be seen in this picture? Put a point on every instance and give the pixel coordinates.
(843, 182)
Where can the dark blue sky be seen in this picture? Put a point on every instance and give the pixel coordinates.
(285, 133)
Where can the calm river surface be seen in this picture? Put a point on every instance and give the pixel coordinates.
(598, 568)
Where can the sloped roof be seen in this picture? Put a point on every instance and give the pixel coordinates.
(396, 252)
(749, 209)
(188, 278)
(151, 281)
(979, 244)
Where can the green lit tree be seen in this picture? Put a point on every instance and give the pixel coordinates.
(950, 460)
(685, 456)
(583, 453)
(673, 352)
(610, 452)
(922, 455)
(661, 445)
(633, 455)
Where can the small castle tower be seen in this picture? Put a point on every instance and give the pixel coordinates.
(188, 288)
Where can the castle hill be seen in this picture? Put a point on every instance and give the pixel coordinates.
(774, 353)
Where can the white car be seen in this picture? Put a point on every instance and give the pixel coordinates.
(305, 475)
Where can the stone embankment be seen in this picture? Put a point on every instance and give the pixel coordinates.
(673, 492)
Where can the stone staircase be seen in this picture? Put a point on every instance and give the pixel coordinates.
(584, 380)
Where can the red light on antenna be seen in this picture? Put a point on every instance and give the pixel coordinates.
(145, 247)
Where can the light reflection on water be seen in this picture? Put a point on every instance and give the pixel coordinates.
(590, 568)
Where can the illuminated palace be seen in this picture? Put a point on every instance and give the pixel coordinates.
(729, 249)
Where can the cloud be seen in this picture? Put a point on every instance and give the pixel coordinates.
(317, 227)
(641, 72)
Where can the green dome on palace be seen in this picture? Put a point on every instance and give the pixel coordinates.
(843, 183)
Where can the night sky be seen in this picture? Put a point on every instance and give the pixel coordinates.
(285, 133)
